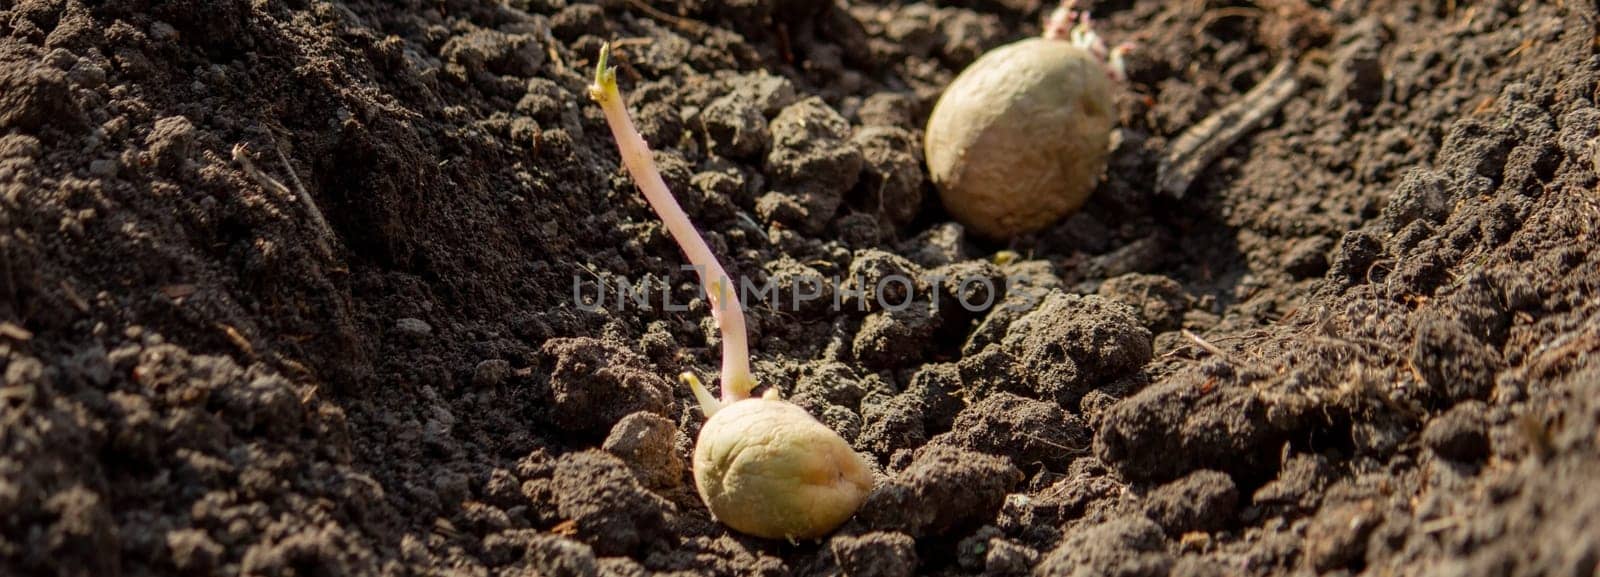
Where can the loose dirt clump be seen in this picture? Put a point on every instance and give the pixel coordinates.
(595, 384)
(943, 489)
(357, 287)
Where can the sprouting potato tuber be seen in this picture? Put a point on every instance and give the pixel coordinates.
(767, 468)
(1019, 139)
(763, 466)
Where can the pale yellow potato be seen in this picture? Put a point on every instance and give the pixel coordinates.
(765, 467)
(1019, 139)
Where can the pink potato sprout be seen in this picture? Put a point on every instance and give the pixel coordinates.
(763, 466)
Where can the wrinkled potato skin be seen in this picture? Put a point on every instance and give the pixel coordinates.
(767, 468)
(1020, 138)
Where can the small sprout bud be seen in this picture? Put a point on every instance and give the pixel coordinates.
(763, 466)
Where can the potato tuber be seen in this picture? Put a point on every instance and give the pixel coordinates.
(1019, 139)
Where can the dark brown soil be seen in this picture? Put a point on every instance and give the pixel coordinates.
(1394, 365)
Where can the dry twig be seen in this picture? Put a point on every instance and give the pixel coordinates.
(1203, 344)
(325, 236)
(1202, 143)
